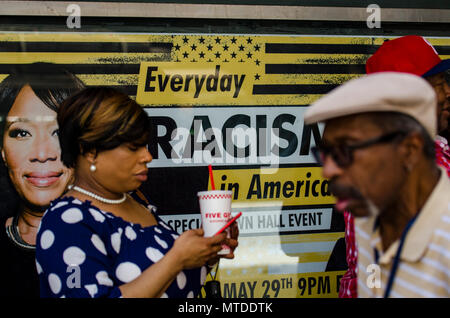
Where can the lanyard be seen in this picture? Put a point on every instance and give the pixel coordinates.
(396, 261)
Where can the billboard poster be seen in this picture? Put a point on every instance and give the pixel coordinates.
(235, 101)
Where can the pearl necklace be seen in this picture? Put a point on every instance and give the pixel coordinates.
(97, 197)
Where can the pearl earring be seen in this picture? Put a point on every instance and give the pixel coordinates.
(93, 168)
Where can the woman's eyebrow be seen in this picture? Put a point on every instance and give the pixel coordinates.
(14, 119)
(39, 118)
(17, 119)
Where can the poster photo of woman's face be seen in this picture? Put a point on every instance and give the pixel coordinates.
(29, 144)
(31, 150)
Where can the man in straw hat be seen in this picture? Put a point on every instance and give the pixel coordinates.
(377, 150)
(415, 55)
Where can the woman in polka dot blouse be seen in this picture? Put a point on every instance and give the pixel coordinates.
(96, 240)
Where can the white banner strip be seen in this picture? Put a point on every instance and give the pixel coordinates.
(219, 11)
(257, 222)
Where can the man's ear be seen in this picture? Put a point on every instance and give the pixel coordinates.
(413, 149)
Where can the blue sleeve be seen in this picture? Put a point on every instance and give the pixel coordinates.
(73, 253)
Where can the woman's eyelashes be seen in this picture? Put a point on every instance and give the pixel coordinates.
(19, 133)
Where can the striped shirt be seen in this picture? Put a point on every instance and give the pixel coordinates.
(442, 150)
(424, 269)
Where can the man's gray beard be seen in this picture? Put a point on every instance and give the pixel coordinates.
(374, 211)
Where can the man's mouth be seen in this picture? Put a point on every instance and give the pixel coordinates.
(342, 204)
(344, 195)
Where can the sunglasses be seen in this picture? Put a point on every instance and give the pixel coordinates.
(343, 154)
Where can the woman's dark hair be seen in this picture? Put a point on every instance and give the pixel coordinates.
(98, 119)
(51, 84)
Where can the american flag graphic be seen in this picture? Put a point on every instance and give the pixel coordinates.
(281, 67)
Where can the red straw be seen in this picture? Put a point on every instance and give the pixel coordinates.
(211, 177)
(229, 223)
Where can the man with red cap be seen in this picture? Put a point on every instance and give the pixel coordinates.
(415, 55)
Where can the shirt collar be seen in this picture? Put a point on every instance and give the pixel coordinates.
(422, 230)
(420, 234)
(386, 256)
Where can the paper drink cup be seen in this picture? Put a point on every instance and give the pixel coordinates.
(215, 208)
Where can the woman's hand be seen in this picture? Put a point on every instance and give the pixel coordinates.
(232, 242)
(194, 250)
(190, 250)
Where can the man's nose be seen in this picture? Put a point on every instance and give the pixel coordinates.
(330, 168)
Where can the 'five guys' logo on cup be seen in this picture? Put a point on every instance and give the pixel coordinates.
(215, 208)
(217, 216)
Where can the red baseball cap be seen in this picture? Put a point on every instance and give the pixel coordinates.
(409, 54)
